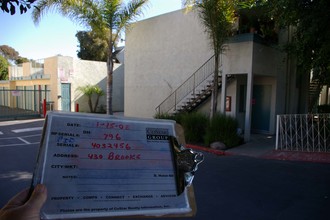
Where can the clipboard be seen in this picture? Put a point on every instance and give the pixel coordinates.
(100, 167)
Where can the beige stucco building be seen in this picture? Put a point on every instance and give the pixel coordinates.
(57, 79)
(164, 52)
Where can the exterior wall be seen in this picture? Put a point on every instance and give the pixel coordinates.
(269, 81)
(62, 69)
(231, 92)
(15, 71)
(237, 58)
(324, 96)
(121, 55)
(76, 73)
(26, 69)
(266, 60)
(159, 60)
(118, 90)
(292, 91)
(267, 67)
(241, 99)
(50, 68)
(160, 54)
(95, 73)
(119, 82)
(84, 73)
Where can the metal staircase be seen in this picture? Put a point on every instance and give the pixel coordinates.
(315, 88)
(190, 94)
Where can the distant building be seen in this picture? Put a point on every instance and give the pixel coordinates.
(56, 79)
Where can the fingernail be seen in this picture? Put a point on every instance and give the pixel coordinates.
(40, 188)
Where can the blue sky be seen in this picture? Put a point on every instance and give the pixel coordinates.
(56, 34)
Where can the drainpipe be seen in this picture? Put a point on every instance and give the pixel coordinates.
(248, 112)
(287, 77)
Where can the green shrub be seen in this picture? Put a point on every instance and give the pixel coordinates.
(198, 129)
(323, 108)
(194, 125)
(223, 128)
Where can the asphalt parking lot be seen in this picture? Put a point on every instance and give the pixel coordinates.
(226, 187)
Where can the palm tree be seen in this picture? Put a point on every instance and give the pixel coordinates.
(217, 16)
(106, 17)
(88, 91)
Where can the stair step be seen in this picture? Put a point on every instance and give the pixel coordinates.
(315, 87)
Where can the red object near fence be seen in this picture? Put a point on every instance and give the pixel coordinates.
(44, 108)
(77, 107)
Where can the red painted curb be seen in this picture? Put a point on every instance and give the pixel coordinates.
(210, 150)
(317, 157)
(275, 154)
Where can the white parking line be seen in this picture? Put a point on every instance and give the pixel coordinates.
(26, 136)
(27, 129)
(25, 141)
(6, 123)
(17, 145)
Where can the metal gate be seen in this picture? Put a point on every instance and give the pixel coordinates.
(22, 102)
(303, 132)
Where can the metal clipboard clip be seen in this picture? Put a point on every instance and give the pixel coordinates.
(186, 163)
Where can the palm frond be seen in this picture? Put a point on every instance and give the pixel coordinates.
(43, 7)
(217, 16)
(109, 11)
(127, 14)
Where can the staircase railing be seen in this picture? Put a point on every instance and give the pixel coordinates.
(187, 88)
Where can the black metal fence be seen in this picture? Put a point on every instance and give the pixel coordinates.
(22, 102)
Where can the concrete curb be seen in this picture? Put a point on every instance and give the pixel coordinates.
(316, 157)
(206, 149)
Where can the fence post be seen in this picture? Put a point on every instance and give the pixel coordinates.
(39, 98)
(277, 130)
(44, 107)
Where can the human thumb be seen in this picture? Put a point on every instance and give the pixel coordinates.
(38, 197)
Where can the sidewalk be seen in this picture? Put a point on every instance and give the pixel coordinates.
(263, 146)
